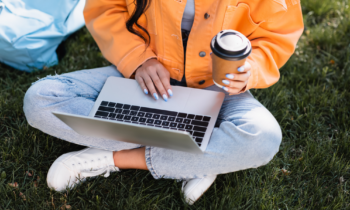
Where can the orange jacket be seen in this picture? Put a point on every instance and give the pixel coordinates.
(272, 26)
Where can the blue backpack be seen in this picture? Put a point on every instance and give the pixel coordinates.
(31, 30)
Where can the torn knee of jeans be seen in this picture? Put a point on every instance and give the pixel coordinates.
(68, 89)
(56, 78)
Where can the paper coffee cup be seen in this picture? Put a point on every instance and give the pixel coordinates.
(230, 50)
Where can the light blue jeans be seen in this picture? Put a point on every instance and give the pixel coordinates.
(247, 136)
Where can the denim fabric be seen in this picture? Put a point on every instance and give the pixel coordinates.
(247, 135)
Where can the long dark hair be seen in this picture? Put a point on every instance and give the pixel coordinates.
(140, 7)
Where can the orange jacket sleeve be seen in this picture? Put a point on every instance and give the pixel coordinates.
(273, 43)
(106, 20)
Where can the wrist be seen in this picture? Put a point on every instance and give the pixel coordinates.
(146, 62)
(133, 74)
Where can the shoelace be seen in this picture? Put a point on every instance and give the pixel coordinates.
(106, 170)
(98, 172)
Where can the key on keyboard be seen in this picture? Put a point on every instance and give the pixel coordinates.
(195, 125)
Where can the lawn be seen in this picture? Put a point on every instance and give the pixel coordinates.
(311, 102)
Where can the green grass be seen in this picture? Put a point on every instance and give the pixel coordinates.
(311, 103)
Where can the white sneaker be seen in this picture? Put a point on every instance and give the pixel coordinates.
(193, 189)
(72, 167)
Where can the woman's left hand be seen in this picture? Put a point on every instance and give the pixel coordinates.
(235, 83)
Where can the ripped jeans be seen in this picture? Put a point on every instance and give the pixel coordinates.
(247, 136)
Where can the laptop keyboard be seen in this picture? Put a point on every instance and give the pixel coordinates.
(196, 125)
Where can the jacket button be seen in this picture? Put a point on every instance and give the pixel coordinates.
(201, 82)
(202, 54)
(206, 15)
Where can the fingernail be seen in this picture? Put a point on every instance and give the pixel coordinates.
(165, 97)
(145, 90)
(225, 88)
(230, 76)
(170, 93)
(155, 95)
(226, 82)
(241, 69)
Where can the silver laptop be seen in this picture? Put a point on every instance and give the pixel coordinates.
(122, 112)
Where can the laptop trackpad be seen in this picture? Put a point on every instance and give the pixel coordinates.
(128, 91)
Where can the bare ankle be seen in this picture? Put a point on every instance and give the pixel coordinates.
(130, 159)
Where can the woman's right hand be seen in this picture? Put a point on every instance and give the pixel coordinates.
(151, 75)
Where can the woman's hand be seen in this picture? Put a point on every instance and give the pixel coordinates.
(153, 74)
(234, 83)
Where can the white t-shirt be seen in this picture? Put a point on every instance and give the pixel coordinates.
(188, 16)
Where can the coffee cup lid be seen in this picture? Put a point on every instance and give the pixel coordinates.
(231, 45)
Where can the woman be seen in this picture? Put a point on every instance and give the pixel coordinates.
(164, 43)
